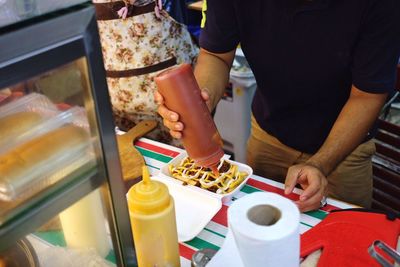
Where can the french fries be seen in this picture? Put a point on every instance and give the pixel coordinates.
(229, 176)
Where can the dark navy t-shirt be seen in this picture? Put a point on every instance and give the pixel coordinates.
(305, 55)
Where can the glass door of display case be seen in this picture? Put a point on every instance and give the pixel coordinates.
(61, 188)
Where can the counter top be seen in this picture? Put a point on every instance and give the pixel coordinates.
(212, 236)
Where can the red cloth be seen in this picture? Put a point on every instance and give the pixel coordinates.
(345, 237)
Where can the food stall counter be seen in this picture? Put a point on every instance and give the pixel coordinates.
(157, 155)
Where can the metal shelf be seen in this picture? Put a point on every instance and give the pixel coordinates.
(48, 203)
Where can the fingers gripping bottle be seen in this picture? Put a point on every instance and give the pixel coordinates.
(200, 136)
(152, 215)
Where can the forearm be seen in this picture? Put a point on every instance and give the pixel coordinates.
(212, 73)
(349, 130)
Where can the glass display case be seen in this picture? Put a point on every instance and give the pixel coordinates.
(62, 196)
(12, 11)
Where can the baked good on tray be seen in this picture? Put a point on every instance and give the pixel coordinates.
(22, 165)
(17, 123)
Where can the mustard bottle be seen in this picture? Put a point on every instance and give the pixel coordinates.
(152, 215)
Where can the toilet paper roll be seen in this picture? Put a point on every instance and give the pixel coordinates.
(265, 227)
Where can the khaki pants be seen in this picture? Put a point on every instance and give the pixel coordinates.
(351, 181)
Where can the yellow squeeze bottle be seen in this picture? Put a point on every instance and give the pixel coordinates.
(152, 215)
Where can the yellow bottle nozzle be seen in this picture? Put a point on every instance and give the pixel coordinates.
(148, 196)
(145, 175)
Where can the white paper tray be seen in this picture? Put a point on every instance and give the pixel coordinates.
(193, 209)
(194, 206)
(224, 197)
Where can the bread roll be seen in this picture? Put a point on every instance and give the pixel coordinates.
(17, 123)
(39, 156)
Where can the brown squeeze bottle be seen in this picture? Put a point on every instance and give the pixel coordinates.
(200, 136)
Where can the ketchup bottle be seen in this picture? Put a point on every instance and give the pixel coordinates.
(200, 136)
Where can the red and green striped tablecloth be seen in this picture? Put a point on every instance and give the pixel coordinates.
(157, 155)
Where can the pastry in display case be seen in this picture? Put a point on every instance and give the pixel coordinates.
(39, 145)
(62, 197)
(43, 142)
(39, 141)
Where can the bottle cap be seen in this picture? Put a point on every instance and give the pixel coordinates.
(201, 257)
(147, 196)
(214, 168)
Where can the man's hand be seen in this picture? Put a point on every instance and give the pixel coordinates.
(351, 127)
(313, 182)
(171, 118)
